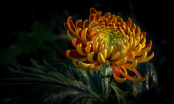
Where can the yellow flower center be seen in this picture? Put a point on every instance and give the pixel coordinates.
(110, 36)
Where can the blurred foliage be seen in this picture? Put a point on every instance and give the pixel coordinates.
(37, 41)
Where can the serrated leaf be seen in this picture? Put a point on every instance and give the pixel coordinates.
(56, 83)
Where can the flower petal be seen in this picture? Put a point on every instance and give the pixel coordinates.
(96, 67)
(128, 22)
(80, 50)
(75, 42)
(92, 17)
(116, 72)
(85, 24)
(130, 66)
(115, 56)
(101, 58)
(92, 11)
(95, 47)
(70, 25)
(69, 35)
(88, 49)
(147, 58)
(79, 24)
(83, 35)
(84, 66)
(121, 62)
(73, 54)
(75, 63)
(133, 79)
(92, 57)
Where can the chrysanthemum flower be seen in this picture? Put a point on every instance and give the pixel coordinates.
(108, 37)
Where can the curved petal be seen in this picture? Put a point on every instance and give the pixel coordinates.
(92, 11)
(85, 24)
(104, 53)
(96, 67)
(116, 74)
(71, 26)
(83, 35)
(73, 54)
(84, 66)
(75, 42)
(79, 24)
(115, 56)
(133, 79)
(92, 57)
(147, 58)
(101, 58)
(130, 66)
(121, 62)
(88, 49)
(69, 35)
(95, 47)
(80, 50)
(75, 63)
(92, 17)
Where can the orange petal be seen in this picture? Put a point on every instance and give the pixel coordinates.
(75, 42)
(92, 11)
(133, 79)
(66, 26)
(107, 15)
(70, 25)
(116, 74)
(91, 17)
(98, 15)
(85, 24)
(128, 22)
(73, 54)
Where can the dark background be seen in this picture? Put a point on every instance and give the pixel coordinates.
(34, 29)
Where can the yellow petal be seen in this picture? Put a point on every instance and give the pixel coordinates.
(115, 56)
(132, 56)
(118, 45)
(95, 68)
(122, 61)
(90, 57)
(118, 79)
(147, 58)
(84, 65)
(79, 49)
(95, 47)
(88, 48)
(138, 49)
(104, 53)
(69, 35)
(101, 58)
(109, 51)
(83, 35)
(122, 54)
(101, 48)
(77, 32)
(93, 33)
(134, 64)
(142, 57)
(75, 63)
(89, 42)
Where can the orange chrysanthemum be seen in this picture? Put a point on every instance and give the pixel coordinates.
(108, 37)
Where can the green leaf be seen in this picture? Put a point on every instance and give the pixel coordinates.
(145, 90)
(59, 82)
(122, 97)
